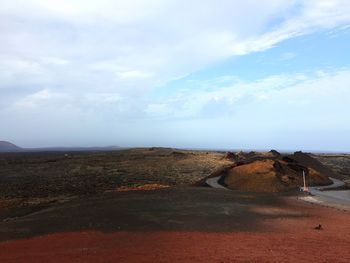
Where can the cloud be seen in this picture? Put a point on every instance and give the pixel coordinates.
(100, 61)
(289, 98)
(42, 98)
(277, 111)
(287, 56)
(142, 44)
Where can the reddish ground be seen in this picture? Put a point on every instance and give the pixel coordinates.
(285, 240)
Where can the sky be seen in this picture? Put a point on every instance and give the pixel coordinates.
(252, 74)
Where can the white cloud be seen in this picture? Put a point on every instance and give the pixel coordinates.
(292, 110)
(137, 40)
(279, 96)
(134, 74)
(287, 56)
(41, 98)
(54, 61)
(157, 109)
(99, 60)
(80, 11)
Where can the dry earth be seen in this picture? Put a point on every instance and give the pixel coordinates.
(337, 162)
(132, 206)
(179, 225)
(39, 180)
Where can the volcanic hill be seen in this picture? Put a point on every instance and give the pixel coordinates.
(274, 172)
(8, 147)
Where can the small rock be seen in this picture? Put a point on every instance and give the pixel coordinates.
(319, 227)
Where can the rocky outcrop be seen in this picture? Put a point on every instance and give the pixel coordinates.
(272, 172)
(308, 161)
(275, 153)
(229, 155)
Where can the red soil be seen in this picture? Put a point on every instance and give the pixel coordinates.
(284, 240)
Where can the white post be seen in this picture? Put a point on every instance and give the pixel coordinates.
(305, 187)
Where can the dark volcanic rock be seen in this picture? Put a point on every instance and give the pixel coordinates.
(275, 153)
(229, 155)
(308, 161)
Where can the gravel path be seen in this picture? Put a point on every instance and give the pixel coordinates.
(214, 182)
(334, 198)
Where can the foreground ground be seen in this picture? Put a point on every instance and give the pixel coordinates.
(78, 207)
(179, 225)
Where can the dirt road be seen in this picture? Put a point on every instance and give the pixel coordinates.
(335, 198)
(214, 183)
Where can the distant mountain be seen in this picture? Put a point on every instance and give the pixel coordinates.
(9, 147)
(73, 149)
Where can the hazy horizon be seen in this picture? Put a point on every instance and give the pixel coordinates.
(247, 74)
(222, 149)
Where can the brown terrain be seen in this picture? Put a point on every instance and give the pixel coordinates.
(272, 172)
(46, 178)
(340, 163)
(146, 205)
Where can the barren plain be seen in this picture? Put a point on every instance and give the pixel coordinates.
(150, 205)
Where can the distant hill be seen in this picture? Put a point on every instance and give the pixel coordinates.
(9, 147)
(73, 149)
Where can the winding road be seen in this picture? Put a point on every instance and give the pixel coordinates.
(339, 197)
(336, 198)
(336, 183)
(214, 183)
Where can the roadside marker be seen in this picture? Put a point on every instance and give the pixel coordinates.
(305, 189)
